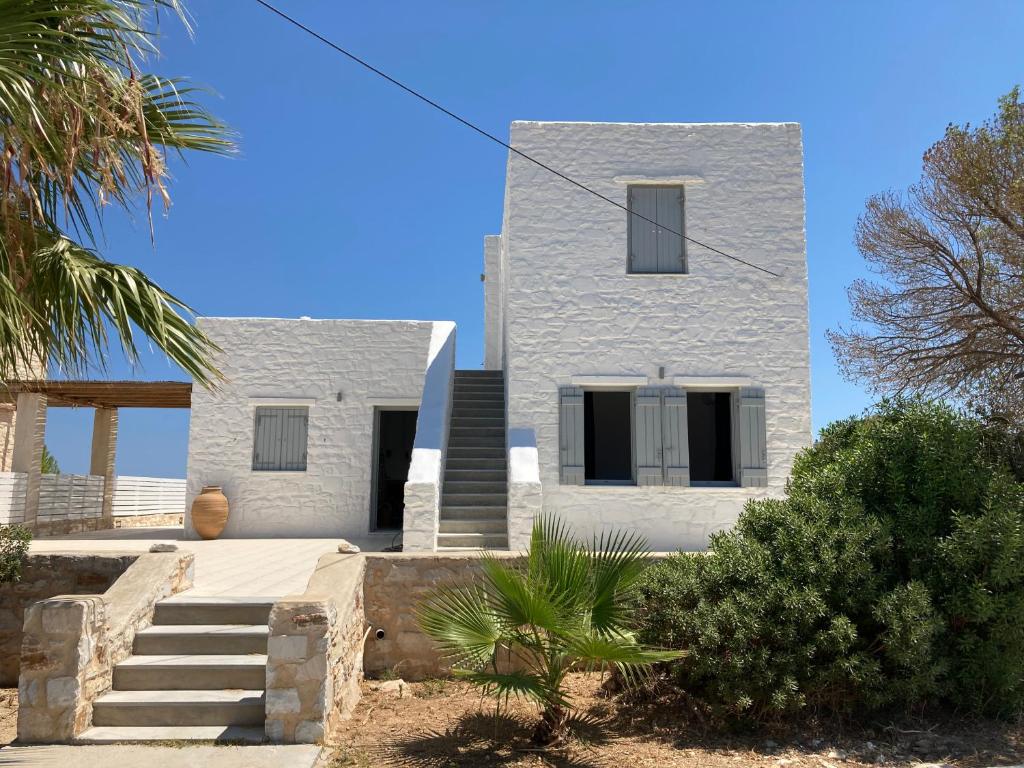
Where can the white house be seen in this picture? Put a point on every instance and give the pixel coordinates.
(633, 378)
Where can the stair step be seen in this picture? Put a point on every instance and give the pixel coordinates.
(227, 734)
(473, 513)
(475, 474)
(481, 394)
(213, 610)
(464, 422)
(472, 540)
(179, 708)
(191, 672)
(473, 525)
(475, 500)
(476, 453)
(462, 412)
(201, 639)
(482, 372)
(464, 434)
(474, 486)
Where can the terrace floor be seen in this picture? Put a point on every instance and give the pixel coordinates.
(223, 567)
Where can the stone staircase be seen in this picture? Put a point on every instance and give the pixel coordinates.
(198, 673)
(474, 500)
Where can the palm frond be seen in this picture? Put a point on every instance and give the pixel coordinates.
(516, 599)
(459, 619)
(505, 685)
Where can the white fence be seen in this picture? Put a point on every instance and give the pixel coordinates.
(71, 497)
(148, 495)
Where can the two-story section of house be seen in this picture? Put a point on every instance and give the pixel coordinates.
(663, 380)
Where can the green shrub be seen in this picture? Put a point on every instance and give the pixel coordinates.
(891, 576)
(14, 541)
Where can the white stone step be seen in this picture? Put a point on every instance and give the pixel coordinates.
(472, 541)
(179, 708)
(163, 639)
(191, 672)
(231, 734)
(473, 525)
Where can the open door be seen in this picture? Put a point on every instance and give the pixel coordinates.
(395, 432)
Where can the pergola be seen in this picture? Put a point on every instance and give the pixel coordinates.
(32, 398)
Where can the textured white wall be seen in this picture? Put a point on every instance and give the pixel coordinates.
(492, 303)
(368, 361)
(571, 309)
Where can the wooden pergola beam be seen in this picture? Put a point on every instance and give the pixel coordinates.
(103, 394)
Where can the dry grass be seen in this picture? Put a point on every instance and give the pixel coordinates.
(445, 724)
(8, 715)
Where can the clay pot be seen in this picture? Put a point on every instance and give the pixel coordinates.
(210, 512)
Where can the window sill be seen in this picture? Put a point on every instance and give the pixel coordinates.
(610, 484)
(658, 274)
(278, 472)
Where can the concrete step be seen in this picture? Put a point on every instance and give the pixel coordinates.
(473, 486)
(466, 393)
(475, 474)
(482, 372)
(473, 513)
(463, 411)
(191, 672)
(471, 422)
(179, 708)
(474, 500)
(472, 453)
(472, 540)
(202, 639)
(213, 610)
(473, 525)
(225, 734)
(483, 436)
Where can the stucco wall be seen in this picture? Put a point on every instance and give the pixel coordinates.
(371, 363)
(571, 308)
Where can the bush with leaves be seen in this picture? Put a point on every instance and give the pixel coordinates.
(521, 627)
(891, 576)
(14, 541)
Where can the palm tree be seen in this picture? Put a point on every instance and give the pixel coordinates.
(81, 128)
(523, 626)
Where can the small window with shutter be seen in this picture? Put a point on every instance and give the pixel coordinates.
(655, 229)
(279, 439)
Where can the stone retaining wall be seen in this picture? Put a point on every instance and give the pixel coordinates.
(44, 576)
(393, 586)
(315, 653)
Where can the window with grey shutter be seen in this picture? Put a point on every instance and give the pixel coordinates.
(570, 436)
(753, 438)
(279, 438)
(647, 422)
(655, 226)
(675, 438)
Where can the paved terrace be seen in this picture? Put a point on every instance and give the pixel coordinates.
(223, 567)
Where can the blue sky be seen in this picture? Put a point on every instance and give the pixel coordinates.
(349, 198)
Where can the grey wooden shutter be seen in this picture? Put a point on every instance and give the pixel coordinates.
(671, 247)
(570, 436)
(279, 442)
(647, 422)
(643, 235)
(753, 439)
(675, 437)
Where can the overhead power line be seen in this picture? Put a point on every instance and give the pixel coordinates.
(331, 44)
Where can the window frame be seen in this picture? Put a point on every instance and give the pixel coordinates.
(734, 436)
(629, 230)
(268, 404)
(631, 483)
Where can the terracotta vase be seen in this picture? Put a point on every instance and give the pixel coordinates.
(210, 512)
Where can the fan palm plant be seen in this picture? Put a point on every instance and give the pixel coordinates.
(81, 128)
(520, 628)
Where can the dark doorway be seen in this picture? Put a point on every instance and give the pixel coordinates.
(396, 431)
(608, 437)
(710, 435)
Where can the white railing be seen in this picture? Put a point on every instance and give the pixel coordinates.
(12, 497)
(75, 497)
(70, 497)
(148, 495)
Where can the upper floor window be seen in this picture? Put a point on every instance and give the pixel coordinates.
(656, 248)
(279, 440)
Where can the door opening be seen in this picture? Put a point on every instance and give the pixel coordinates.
(395, 433)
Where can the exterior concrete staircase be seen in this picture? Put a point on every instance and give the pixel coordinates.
(198, 673)
(474, 500)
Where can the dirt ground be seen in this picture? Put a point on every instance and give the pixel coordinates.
(445, 724)
(8, 715)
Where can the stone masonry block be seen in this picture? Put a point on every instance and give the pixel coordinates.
(309, 732)
(286, 647)
(283, 701)
(62, 692)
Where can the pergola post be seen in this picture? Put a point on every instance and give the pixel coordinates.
(104, 452)
(29, 435)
